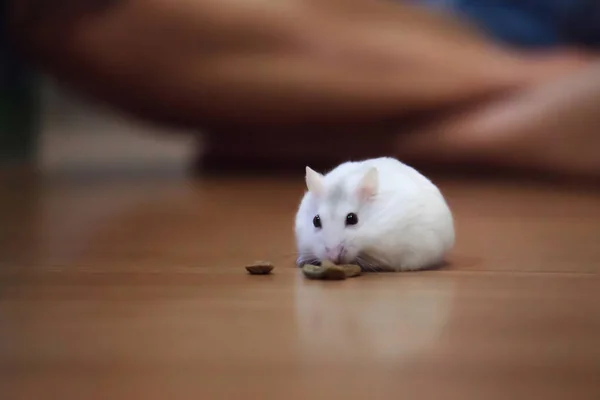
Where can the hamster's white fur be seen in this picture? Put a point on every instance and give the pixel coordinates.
(404, 223)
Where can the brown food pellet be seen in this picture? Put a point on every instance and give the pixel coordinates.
(351, 270)
(260, 268)
(329, 271)
(323, 272)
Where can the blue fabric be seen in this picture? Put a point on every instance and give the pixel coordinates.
(531, 23)
(6, 62)
(11, 66)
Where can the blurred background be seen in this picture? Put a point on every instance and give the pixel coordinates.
(62, 132)
(78, 134)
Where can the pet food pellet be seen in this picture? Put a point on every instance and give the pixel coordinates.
(351, 270)
(260, 268)
(324, 272)
(329, 271)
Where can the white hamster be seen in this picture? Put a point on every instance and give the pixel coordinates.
(380, 214)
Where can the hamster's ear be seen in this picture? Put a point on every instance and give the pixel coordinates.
(314, 181)
(369, 184)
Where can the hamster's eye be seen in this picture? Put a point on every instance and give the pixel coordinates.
(351, 219)
(317, 221)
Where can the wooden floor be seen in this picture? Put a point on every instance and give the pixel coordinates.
(135, 289)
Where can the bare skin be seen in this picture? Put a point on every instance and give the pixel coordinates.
(551, 125)
(553, 128)
(211, 63)
(253, 70)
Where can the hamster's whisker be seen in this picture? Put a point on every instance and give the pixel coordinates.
(365, 265)
(370, 262)
(306, 258)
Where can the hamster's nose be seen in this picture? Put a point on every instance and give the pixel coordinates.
(334, 254)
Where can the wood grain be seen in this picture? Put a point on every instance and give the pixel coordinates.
(137, 289)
